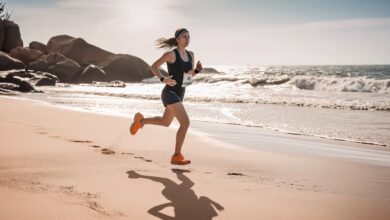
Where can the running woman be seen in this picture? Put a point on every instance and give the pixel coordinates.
(180, 63)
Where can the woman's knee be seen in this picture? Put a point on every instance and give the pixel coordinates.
(185, 122)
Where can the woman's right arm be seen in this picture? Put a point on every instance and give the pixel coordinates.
(166, 57)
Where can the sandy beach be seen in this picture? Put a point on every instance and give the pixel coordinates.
(56, 163)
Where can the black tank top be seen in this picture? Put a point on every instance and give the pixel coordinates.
(177, 70)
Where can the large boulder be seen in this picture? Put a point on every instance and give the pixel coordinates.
(12, 37)
(45, 81)
(67, 70)
(9, 63)
(25, 54)
(45, 61)
(77, 49)
(57, 41)
(92, 73)
(39, 65)
(38, 46)
(127, 68)
(25, 86)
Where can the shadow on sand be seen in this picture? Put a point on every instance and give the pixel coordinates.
(185, 203)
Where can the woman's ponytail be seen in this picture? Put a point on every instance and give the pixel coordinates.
(171, 42)
(162, 43)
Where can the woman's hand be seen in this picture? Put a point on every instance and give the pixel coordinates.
(199, 66)
(169, 81)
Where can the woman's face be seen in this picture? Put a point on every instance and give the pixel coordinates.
(184, 40)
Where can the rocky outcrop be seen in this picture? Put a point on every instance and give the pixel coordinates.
(38, 46)
(46, 81)
(66, 57)
(8, 63)
(105, 66)
(43, 79)
(12, 38)
(24, 86)
(64, 68)
(25, 54)
(57, 41)
(43, 63)
(126, 68)
(50, 76)
(67, 70)
(77, 49)
(92, 73)
(33, 78)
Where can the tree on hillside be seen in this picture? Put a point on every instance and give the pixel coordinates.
(4, 14)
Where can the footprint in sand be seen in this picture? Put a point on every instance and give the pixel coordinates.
(103, 151)
(107, 151)
(79, 141)
(235, 174)
(142, 158)
(127, 153)
(42, 132)
(95, 146)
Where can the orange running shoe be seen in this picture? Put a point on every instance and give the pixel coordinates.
(136, 123)
(179, 160)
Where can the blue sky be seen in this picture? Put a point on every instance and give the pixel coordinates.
(226, 32)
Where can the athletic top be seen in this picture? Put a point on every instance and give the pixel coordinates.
(177, 70)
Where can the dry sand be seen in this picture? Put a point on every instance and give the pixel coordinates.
(61, 164)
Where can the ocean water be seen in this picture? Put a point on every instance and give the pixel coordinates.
(350, 103)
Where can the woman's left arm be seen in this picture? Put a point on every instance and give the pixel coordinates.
(195, 69)
(192, 71)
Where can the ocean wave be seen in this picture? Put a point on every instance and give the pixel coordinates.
(331, 83)
(339, 84)
(277, 100)
(371, 71)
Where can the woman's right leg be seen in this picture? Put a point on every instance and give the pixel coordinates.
(180, 114)
(165, 120)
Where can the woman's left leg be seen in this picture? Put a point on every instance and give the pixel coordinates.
(165, 120)
(140, 121)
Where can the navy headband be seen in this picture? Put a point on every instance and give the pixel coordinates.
(180, 32)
